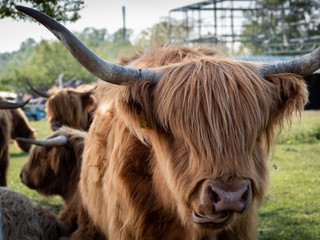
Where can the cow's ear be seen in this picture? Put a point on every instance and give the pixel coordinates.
(289, 94)
(137, 107)
(88, 102)
(59, 155)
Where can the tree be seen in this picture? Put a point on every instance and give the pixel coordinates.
(118, 35)
(92, 37)
(282, 23)
(163, 32)
(60, 10)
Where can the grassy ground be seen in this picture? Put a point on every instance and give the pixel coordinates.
(292, 208)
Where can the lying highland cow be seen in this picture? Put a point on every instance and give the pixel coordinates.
(53, 168)
(23, 219)
(178, 149)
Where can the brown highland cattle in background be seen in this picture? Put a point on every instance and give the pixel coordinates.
(69, 107)
(53, 168)
(13, 123)
(179, 143)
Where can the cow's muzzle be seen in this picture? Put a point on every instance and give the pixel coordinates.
(217, 200)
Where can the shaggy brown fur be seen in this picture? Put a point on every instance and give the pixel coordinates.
(151, 146)
(5, 126)
(56, 171)
(13, 123)
(66, 107)
(23, 219)
(21, 128)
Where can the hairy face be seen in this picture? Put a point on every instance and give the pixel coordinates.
(67, 107)
(37, 171)
(218, 119)
(222, 117)
(50, 170)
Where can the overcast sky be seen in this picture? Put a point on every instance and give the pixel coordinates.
(140, 14)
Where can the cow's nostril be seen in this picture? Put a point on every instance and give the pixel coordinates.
(234, 196)
(245, 195)
(216, 197)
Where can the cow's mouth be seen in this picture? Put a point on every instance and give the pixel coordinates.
(215, 218)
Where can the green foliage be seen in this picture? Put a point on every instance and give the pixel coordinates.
(48, 61)
(61, 10)
(278, 25)
(43, 62)
(92, 37)
(113, 50)
(118, 35)
(162, 33)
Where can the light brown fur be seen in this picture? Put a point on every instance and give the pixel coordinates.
(210, 117)
(66, 107)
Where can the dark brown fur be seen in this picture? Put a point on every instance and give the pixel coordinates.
(151, 146)
(21, 128)
(13, 123)
(55, 171)
(5, 126)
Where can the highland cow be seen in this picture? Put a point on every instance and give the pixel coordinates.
(69, 107)
(21, 218)
(53, 168)
(21, 127)
(180, 139)
(12, 123)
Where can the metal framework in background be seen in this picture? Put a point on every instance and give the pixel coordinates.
(220, 21)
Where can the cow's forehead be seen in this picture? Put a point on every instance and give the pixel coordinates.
(214, 103)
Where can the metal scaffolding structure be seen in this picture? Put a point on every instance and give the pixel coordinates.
(221, 21)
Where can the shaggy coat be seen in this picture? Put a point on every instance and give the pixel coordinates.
(5, 126)
(67, 107)
(23, 219)
(20, 127)
(56, 171)
(153, 148)
(13, 123)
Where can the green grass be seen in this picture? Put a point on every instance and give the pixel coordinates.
(292, 207)
(291, 210)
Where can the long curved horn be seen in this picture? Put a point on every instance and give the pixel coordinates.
(58, 141)
(38, 92)
(10, 105)
(104, 70)
(303, 66)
